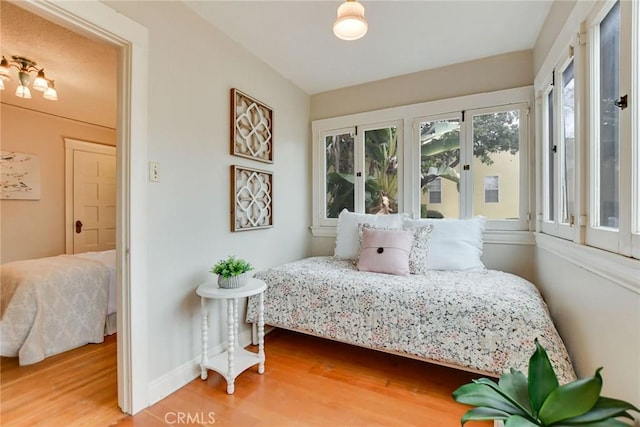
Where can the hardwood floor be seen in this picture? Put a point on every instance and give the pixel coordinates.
(75, 388)
(308, 382)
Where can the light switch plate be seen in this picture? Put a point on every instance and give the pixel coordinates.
(154, 172)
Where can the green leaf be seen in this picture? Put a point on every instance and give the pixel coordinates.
(604, 408)
(611, 422)
(437, 146)
(475, 394)
(506, 393)
(516, 387)
(518, 421)
(542, 379)
(483, 414)
(571, 400)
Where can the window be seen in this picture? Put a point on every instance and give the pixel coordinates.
(558, 150)
(439, 144)
(491, 189)
(588, 131)
(339, 173)
(607, 144)
(567, 147)
(611, 141)
(360, 171)
(435, 192)
(366, 163)
(496, 137)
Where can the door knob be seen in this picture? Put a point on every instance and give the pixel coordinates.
(78, 226)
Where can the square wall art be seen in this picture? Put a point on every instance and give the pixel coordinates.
(251, 128)
(251, 199)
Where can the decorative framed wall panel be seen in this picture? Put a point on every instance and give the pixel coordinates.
(251, 199)
(251, 128)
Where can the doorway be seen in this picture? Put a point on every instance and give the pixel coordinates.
(97, 20)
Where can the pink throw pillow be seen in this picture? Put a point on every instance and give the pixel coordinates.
(385, 251)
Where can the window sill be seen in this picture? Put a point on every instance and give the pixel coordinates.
(499, 237)
(614, 267)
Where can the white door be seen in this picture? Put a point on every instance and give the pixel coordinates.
(91, 226)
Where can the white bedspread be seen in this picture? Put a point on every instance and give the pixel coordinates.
(484, 320)
(51, 305)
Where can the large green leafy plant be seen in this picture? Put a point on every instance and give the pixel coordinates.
(540, 400)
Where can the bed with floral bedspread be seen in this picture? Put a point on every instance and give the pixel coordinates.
(484, 321)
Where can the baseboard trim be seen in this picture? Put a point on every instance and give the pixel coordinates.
(182, 375)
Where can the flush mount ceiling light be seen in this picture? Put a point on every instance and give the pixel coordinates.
(25, 67)
(350, 24)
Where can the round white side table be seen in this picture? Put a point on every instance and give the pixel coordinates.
(234, 360)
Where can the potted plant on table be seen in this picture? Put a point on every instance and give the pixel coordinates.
(539, 400)
(232, 272)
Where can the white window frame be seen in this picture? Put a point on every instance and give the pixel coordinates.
(405, 116)
(522, 223)
(555, 82)
(614, 240)
(320, 201)
(635, 129)
(456, 115)
(578, 32)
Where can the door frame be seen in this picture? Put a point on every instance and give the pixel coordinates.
(70, 147)
(98, 21)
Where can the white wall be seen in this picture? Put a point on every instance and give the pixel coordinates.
(192, 67)
(489, 74)
(599, 321)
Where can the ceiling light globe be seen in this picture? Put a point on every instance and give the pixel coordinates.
(350, 24)
(50, 94)
(40, 83)
(1, 84)
(23, 92)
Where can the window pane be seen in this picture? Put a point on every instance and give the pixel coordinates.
(609, 118)
(381, 170)
(435, 191)
(551, 150)
(568, 152)
(491, 189)
(496, 145)
(440, 161)
(340, 174)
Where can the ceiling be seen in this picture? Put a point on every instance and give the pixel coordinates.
(293, 37)
(296, 38)
(84, 70)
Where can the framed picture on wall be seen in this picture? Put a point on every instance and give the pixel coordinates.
(20, 176)
(251, 199)
(251, 128)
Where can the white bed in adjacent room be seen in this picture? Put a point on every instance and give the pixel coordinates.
(50, 305)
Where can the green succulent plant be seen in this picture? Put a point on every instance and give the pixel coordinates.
(231, 267)
(540, 400)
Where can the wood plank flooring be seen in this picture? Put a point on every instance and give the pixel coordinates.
(308, 382)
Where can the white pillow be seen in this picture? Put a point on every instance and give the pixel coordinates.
(348, 239)
(455, 244)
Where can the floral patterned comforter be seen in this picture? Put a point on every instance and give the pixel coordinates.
(481, 320)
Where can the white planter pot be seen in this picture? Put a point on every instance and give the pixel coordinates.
(233, 282)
